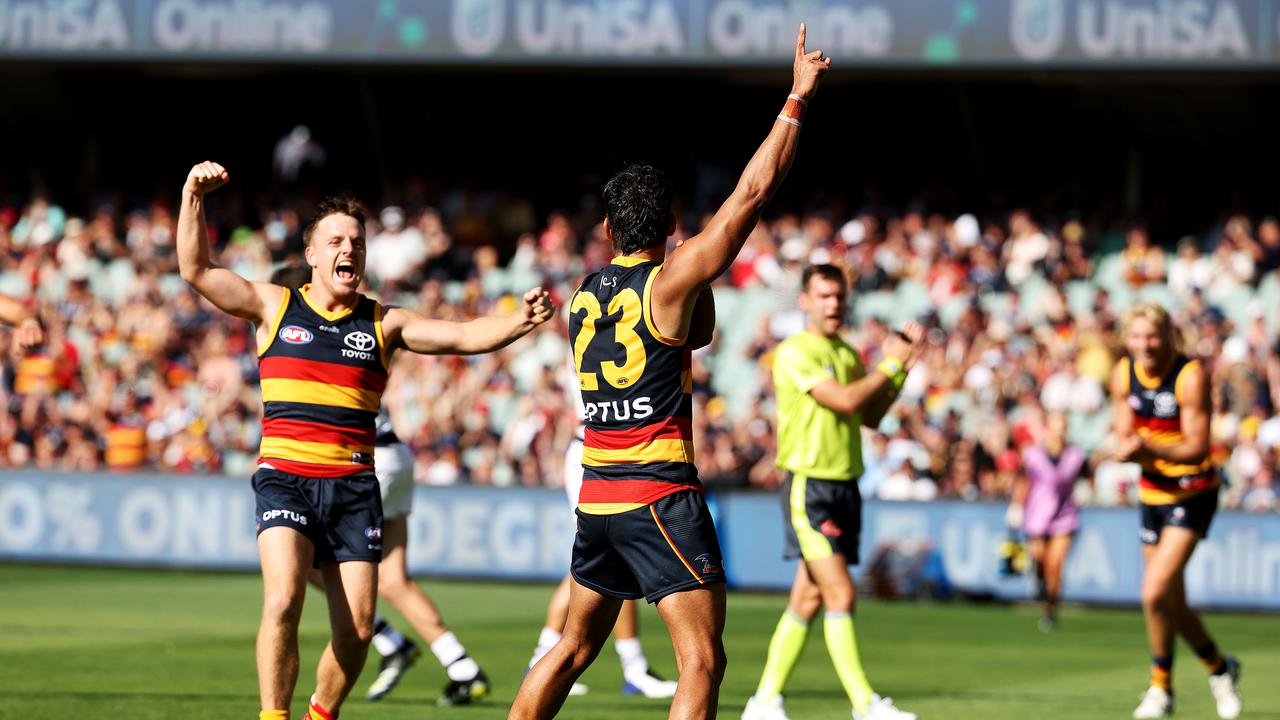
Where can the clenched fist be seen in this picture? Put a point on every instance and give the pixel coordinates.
(906, 344)
(205, 178)
(537, 306)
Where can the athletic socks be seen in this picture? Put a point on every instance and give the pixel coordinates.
(1212, 659)
(784, 650)
(1162, 672)
(386, 639)
(454, 658)
(316, 712)
(630, 652)
(547, 639)
(843, 647)
(631, 656)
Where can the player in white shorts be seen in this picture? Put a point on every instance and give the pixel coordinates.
(393, 464)
(637, 678)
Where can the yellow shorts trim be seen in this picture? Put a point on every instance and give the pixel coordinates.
(813, 544)
(608, 508)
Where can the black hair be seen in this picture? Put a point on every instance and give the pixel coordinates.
(830, 272)
(638, 204)
(292, 276)
(334, 206)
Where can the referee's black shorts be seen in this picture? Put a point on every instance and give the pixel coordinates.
(823, 517)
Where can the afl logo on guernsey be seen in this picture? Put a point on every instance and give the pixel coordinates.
(295, 335)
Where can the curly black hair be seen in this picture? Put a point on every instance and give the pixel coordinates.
(638, 204)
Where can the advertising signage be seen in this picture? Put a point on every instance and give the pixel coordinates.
(1101, 34)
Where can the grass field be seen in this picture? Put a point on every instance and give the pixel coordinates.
(109, 643)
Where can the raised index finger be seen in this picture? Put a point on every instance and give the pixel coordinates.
(800, 41)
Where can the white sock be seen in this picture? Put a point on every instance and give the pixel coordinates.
(631, 655)
(463, 670)
(386, 639)
(454, 658)
(547, 639)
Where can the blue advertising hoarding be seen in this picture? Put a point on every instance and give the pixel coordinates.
(526, 534)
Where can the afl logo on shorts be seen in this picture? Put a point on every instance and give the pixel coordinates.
(1166, 404)
(295, 335)
(360, 341)
(374, 534)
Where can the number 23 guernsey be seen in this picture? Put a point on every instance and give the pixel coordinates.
(637, 392)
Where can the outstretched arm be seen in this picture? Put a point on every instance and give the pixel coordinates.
(416, 333)
(703, 257)
(27, 332)
(228, 291)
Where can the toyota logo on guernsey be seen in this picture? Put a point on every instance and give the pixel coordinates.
(360, 344)
(361, 341)
(295, 335)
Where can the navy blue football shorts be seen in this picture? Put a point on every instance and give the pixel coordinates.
(650, 552)
(341, 516)
(1194, 513)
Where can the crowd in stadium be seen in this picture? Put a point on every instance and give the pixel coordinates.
(138, 374)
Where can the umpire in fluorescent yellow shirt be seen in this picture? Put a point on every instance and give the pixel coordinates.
(824, 397)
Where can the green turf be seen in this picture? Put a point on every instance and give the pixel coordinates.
(108, 643)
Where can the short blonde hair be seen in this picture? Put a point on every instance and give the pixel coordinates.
(1158, 316)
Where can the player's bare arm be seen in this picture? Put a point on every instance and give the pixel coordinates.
(427, 336)
(1125, 440)
(702, 325)
(1194, 421)
(702, 258)
(27, 331)
(228, 291)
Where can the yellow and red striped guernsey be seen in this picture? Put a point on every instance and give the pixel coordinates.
(1157, 412)
(636, 392)
(322, 380)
